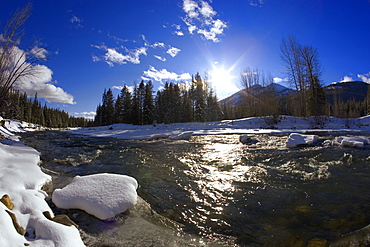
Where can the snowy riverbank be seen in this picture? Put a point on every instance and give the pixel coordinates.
(257, 125)
(21, 178)
(27, 219)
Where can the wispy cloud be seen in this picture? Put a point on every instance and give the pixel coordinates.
(178, 30)
(120, 54)
(76, 21)
(256, 3)
(200, 19)
(163, 74)
(112, 56)
(173, 51)
(163, 59)
(158, 44)
(39, 53)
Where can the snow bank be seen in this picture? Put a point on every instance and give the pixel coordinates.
(102, 195)
(352, 141)
(21, 179)
(182, 136)
(254, 125)
(295, 140)
(9, 127)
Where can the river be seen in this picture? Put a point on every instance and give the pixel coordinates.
(215, 191)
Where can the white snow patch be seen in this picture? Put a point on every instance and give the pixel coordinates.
(21, 178)
(352, 141)
(182, 136)
(296, 139)
(102, 195)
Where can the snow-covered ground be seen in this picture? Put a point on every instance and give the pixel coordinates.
(257, 125)
(26, 218)
(21, 178)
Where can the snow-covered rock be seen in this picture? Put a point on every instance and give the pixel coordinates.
(102, 195)
(182, 136)
(21, 179)
(296, 139)
(352, 141)
(248, 139)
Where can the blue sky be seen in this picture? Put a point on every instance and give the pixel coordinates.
(91, 45)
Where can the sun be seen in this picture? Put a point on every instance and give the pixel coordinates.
(222, 81)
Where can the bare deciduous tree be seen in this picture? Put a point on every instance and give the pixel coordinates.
(303, 69)
(16, 63)
(259, 92)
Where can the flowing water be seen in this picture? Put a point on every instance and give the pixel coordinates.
(215, 191)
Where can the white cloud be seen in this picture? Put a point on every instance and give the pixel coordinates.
(89, 115)
(347, 78)
(199, 18)
(76, 21)
(278, 79)
(38, 80)
(190, 7)
(117, 87)
(206, 10)
(163, 74)
(160, 58)
(158, 44)
(365, 77)
(112, 56)
(41, 85)
(179, 33)
(217, 28)
(256, 3)
(39, 53)
(173, 51)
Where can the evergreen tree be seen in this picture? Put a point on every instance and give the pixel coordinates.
(148, 104)
(186, 107)
(118, 109)
(138, 103)
(213, 109)
(108, 107)
(316, 98)
(200, 104)
(126, 105)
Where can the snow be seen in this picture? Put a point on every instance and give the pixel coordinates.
(255, 125)
(352, 141)
(21, 178)
(105, 195)
(296, 139)
(102, 195)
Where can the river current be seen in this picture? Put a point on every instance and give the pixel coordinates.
(215, 191)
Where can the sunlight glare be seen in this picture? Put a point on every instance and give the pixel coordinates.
(222, 82)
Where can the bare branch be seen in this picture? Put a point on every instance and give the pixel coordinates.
(16, 63)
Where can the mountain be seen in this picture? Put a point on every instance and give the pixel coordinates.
(344, 91)
(240, 96)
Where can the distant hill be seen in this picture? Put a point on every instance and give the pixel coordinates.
(343, 91)
(238, 97)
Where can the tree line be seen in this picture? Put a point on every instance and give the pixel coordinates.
(174, 103)
(303, 70)
(197, 102)
(18, 106)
